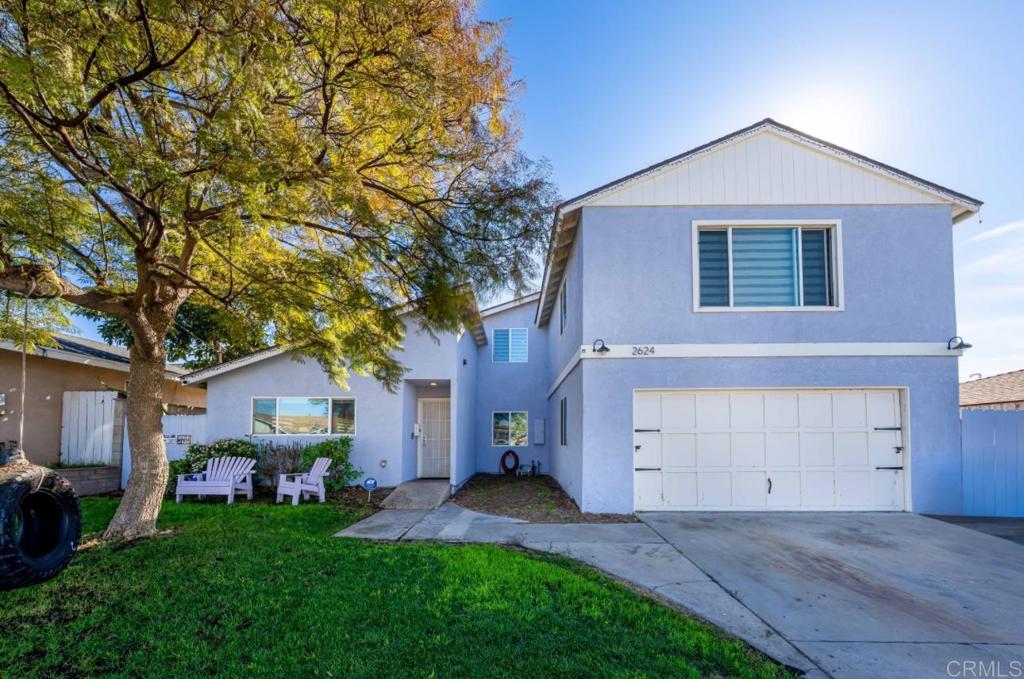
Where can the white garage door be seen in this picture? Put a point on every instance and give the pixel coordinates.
(777, 450)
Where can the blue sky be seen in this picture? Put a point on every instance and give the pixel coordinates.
(936, 89)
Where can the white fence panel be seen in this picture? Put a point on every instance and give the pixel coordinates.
(180, 431)
(87, 427)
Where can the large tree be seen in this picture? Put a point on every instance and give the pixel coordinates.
(312, 164)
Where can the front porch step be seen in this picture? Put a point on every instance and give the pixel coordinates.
(419, 494)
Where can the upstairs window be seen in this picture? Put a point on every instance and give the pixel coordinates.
(510, 345)
(766, 267)
(563, 421)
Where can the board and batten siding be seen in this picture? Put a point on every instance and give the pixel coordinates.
(87, 427)
(765, 169)
(993, 462)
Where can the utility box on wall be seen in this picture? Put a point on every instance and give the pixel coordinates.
(538, 431)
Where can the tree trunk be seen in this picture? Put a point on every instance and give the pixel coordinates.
(136, 515)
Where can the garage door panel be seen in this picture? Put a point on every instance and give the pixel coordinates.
(785, 490)
(648, 454)
(678, 411)
(647, 410)
(749, 489)
(712, 411)
(713, 450)
(774, 449)
(647, 489)
(887, 489)
(715, 489)
(679, 450)
(851, 449)
(882, 448)
(747, 410)
(680, 489)
(781, 410)
(748, 449)
(782, 449)
(849, 410)
(816, 449)
(815, 410)
(883, 409)
(854, 489)
(818, 489)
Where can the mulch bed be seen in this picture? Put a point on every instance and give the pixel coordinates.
(538, 499)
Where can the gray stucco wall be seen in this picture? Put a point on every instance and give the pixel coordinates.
(383, 420)
(512, 386)
(567, 461)
(897, 270)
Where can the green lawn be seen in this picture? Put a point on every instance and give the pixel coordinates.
(260, 589)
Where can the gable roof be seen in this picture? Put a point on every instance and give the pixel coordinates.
(89, 352)
(1004, 388)
(471, 318)
(751, 155)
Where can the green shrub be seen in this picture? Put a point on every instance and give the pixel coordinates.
(342, 471)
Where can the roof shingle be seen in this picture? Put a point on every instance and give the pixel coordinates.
(1005, 388)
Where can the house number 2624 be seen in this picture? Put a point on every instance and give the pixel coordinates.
(643, 351)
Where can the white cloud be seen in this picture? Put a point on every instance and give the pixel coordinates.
(1009, 227)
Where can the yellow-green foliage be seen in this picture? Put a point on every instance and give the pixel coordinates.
(308, 165)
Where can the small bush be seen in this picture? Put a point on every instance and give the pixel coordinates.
(339, 450)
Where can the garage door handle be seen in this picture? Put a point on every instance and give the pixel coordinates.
(892, 468)
(769, 486)
(646, 430)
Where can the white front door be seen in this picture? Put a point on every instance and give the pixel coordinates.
(836, 449)
(434, 442)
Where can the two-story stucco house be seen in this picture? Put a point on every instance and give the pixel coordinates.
(761, 323)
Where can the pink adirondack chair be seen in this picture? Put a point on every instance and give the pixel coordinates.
(223, 476)
(304, 483)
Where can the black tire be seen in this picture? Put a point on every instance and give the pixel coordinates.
(40, 525)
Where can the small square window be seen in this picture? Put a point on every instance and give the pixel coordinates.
(509, 428)
(510, 345)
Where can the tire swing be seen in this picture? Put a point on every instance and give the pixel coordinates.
(40, 517)
(509, 456)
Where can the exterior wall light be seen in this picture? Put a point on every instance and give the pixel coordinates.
(957, 343)
(600, 347)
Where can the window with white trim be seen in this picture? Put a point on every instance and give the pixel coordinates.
(510, 345)
(509, 428)
(303, 416)
(562, 309)
(770, 266)
(563, 416)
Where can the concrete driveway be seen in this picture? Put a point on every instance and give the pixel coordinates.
(867, 595)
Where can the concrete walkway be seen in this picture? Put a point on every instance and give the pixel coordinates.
(631, 552)
(419, 494)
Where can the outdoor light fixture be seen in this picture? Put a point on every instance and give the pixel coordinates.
(433, 384)
(956, 343)
(600, 347)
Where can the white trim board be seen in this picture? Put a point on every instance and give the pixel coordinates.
(764, 350)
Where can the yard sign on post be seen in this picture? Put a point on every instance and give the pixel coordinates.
(370, 484)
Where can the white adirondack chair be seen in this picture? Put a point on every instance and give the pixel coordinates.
(223, 476)
(304, 483)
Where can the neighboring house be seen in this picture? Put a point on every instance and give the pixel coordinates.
(78, 365)
(760, 323)
(998, 392)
